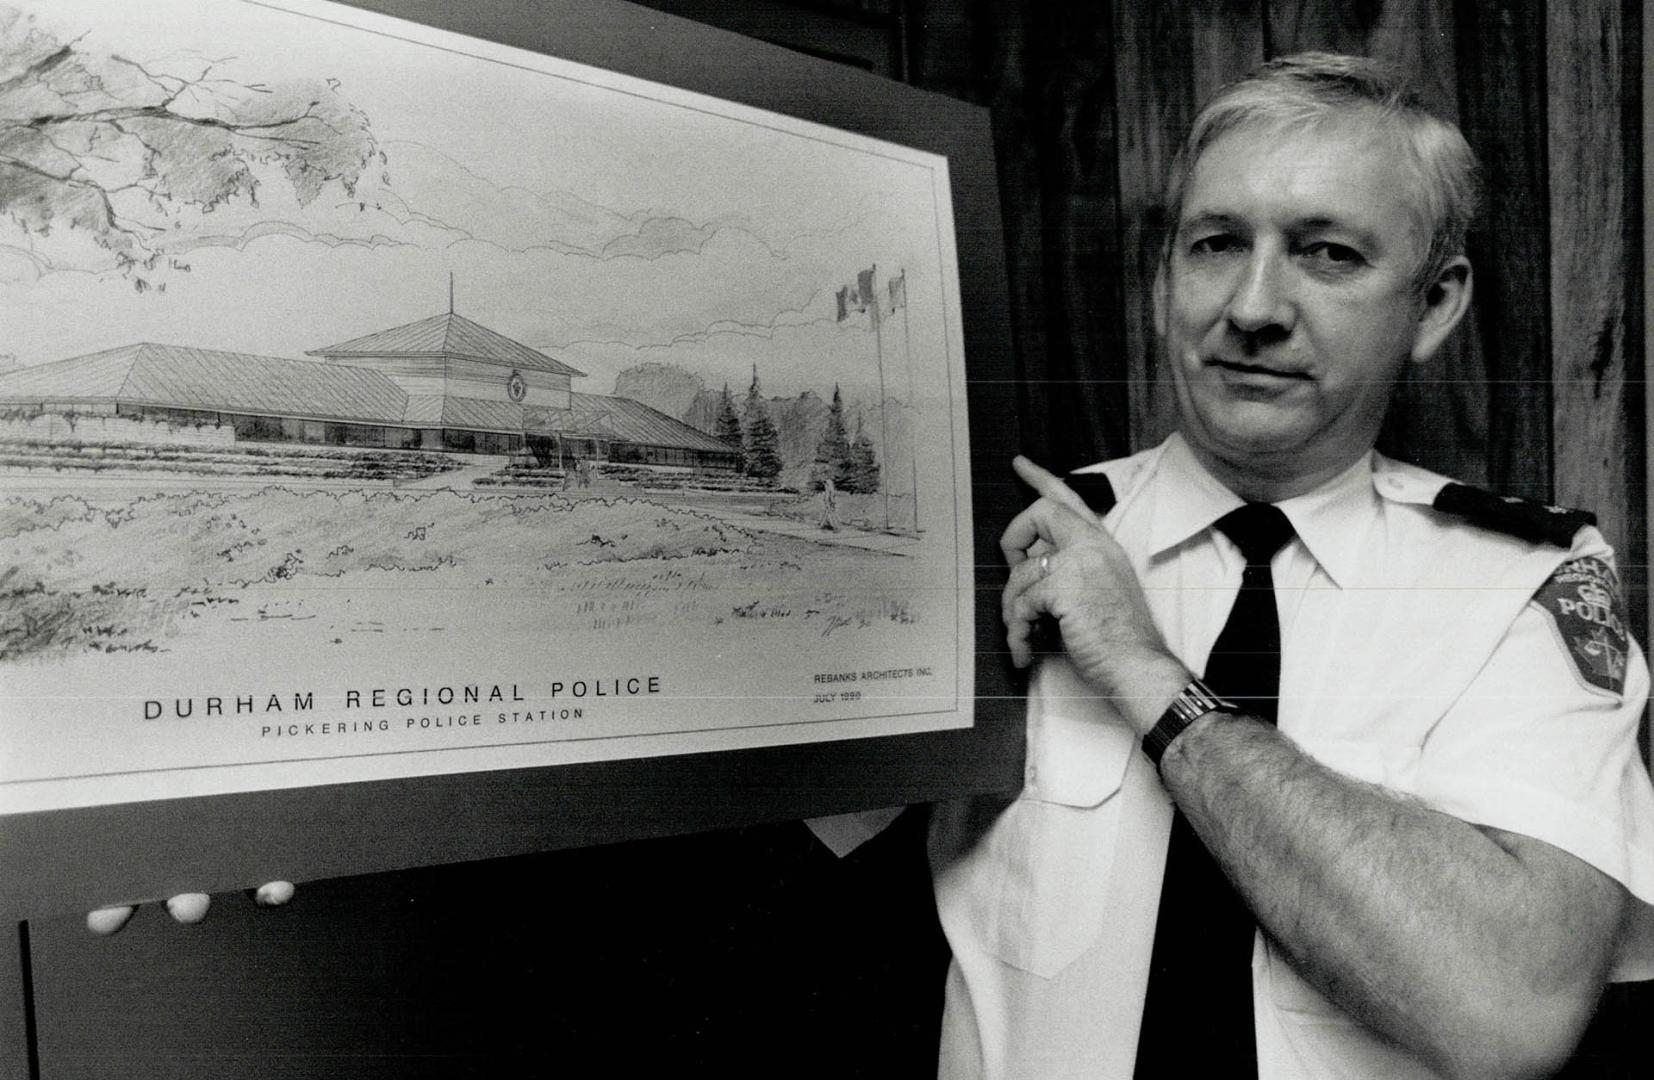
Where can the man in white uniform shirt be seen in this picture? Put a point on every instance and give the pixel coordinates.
(1446, 835)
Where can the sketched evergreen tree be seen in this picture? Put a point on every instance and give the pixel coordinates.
(727, 427)
(124, 154)
(760, 442)
(863, 475)
(833, 451)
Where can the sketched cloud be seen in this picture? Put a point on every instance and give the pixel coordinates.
(432, 188)
(656, 237)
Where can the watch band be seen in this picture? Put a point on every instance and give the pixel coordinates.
(1190, 704)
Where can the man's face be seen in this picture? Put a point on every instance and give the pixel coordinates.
(1288, 303)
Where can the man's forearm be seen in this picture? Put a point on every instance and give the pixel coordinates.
(1482, 952)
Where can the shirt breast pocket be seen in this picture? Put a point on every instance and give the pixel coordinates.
(1054, 847)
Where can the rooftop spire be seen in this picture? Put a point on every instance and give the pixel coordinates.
(450, 292)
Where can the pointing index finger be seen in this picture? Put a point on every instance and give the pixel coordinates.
(1049, 486)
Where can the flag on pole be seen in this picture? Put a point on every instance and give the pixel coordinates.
(863, 298)
(898, 292)
(860, 298)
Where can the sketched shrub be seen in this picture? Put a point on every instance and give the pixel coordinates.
(31, 619)
(21, 515)
(109, 618)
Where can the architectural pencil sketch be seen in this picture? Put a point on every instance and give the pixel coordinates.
(377, 402)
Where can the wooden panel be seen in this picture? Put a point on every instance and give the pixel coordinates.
(1416, 34)
(1501, 90)
(1072, 102)
(1021, 202)
(1167, 59)
(1595, 436)
(951, 48)
(1050, 90)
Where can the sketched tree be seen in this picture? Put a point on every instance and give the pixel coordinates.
(833, 451)
(727, 428)
(129, 155)
(864, 465)
(760, 441)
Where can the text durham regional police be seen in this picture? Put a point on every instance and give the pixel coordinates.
(384, 697)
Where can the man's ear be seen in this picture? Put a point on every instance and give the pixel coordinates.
(1445, 301)
(1160, 300)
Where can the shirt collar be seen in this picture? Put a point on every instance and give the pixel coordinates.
(1328, 520)
(1187, 498)
(1332, 521)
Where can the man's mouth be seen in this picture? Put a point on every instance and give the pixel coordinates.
(1240, 367)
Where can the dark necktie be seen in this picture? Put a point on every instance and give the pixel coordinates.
(1198, 1017)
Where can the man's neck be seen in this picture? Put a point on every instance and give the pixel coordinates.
(1270, 481)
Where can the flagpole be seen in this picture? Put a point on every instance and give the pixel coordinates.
(912, 435)
(884, 427)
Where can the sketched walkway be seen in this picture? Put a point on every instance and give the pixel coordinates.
(459, 479)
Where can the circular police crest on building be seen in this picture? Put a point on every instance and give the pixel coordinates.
(516, 386)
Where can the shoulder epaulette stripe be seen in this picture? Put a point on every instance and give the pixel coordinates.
(1522, 518)
(1095, 488)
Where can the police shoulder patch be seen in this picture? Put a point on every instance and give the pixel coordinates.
(1582, 600)
(1515, 516)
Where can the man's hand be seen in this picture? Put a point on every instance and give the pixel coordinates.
(186, 908)
(1065, 565)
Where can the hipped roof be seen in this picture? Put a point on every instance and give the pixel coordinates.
(625, 420)
(209, 380)
(447, 335)
(180, 377)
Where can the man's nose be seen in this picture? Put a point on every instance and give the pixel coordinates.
(1261, 301)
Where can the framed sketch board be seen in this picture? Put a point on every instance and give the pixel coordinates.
(432, 432)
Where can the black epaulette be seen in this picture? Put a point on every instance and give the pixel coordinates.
(1523, 518)
(1095, 489)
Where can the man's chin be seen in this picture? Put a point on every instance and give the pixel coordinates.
(1264, 444)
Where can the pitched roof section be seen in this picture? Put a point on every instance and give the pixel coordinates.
(180, 377)
(623, 419)
(95, 376)
(447, 335)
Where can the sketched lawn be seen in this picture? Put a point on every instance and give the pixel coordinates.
(133, 574)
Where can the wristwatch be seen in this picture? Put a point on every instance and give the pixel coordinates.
(1190, 704)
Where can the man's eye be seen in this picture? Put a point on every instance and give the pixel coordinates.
(1332, 254)
(1214, 245)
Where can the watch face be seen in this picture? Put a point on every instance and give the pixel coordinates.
(516, 386)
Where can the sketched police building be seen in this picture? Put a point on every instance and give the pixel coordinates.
(444, 383)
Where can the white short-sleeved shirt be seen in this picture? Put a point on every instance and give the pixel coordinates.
(1414, 656)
